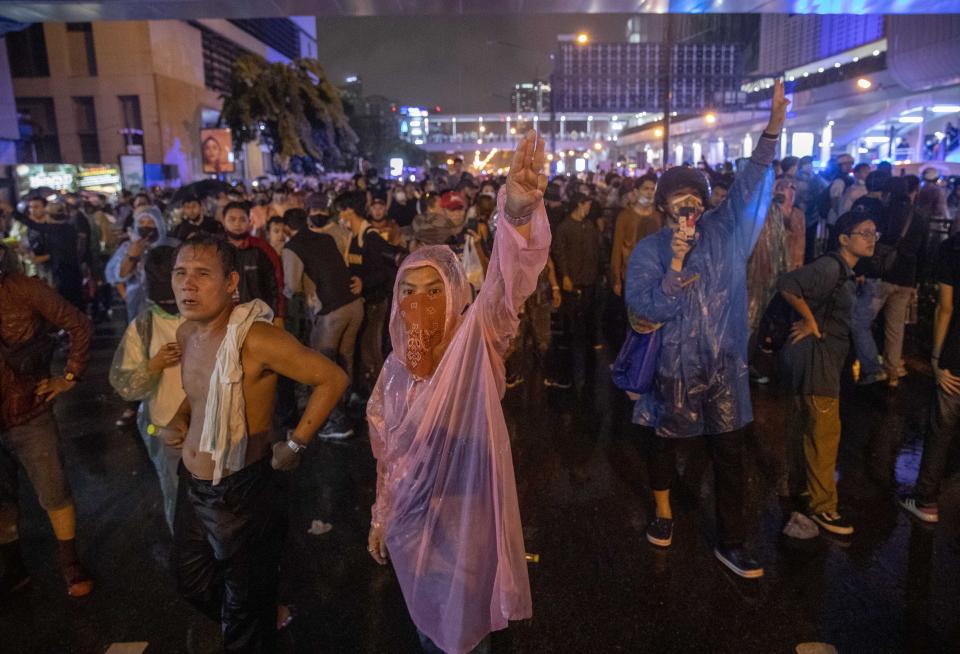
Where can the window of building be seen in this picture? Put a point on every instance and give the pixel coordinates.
(38, 131)
(132, 123)
(86, 119)
(27, 52)
(83, 57)
(219, 54)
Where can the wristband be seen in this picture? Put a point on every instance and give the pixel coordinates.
(555, 288)
(292, 444)
(519, 221)
(70, 377)
(768, 135)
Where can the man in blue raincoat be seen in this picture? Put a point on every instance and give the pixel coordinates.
(689, 281)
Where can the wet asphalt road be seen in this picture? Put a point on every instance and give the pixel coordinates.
(599, 587)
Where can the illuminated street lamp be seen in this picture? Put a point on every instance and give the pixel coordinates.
(658, 132)
(513, 130)
(863, 84)
(598, 146)
(570, 152)
(583, 38)
(710, 118)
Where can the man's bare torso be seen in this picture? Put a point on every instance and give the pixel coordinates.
(259, 384)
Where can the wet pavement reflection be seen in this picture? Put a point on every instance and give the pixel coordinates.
(598, 586)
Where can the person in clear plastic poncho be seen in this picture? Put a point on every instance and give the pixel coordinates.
(689, 280)
(446, 513)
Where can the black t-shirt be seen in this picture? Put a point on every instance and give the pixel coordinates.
(403, 213)
(948, 272)
(324, 266)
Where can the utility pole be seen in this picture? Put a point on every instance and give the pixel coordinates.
(667, 78)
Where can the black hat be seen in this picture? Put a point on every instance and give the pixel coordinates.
(681, 177)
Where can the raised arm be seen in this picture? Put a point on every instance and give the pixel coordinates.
(521, 245)
(745, 208)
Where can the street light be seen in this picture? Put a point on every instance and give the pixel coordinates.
(711, 118)
(863, 84)
(583, 38)
(598, 146)
(658, 132)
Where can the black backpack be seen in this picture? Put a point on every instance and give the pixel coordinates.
(779, 316)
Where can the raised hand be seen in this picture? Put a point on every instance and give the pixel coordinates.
(526, 182)
(778, 109)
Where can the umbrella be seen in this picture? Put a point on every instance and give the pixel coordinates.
(201, 189)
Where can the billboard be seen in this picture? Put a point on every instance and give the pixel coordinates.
(98, 178)
(131, 172)
(216, 150)
(59, 177)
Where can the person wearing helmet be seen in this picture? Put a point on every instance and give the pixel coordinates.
(689, 281)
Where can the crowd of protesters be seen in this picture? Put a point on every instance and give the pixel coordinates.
(772, 272)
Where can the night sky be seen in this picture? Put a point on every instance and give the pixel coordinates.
(445, 60)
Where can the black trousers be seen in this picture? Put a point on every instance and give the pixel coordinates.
(227, 544)
(726, 450)
(571, 356)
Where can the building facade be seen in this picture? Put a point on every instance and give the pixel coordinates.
(91, 92)
(630, 77)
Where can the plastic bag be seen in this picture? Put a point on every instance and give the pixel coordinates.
(472, 264)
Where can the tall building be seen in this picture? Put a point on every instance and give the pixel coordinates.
(742, 29)
(792, 40)
(628, 77)
(90, 92)
(530, 97)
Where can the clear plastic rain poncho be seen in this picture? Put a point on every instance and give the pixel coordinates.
(702, 383)
(136, 293)
(767, 262)
(446, 492)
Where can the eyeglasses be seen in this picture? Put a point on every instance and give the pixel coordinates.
(867, 236)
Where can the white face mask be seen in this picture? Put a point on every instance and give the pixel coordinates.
(644, 201)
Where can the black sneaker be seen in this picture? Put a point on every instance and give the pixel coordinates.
(336, 429)
(833, 522)
(660, 532)
(739, 561)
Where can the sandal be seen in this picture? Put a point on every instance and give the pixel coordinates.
(79, 584)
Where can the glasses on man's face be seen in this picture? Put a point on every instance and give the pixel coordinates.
(867, 236)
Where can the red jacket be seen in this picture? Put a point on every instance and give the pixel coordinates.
(28, 306)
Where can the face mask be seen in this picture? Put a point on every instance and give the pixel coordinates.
(149, 234)
(644, 201)
(423, 317)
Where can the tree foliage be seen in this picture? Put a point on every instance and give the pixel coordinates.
(292, 107)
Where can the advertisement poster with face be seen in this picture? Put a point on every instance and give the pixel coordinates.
(216, 150)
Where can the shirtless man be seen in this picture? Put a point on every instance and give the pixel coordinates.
(229, 527)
